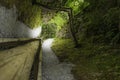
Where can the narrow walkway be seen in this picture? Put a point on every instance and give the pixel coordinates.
(52, 69)
(16, 59)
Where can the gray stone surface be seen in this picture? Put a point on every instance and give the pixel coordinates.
(23, 31)
(10, 27)
(8, 19)
(52, 69)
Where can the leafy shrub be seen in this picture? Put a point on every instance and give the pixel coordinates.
(99, 22)
(48, 31)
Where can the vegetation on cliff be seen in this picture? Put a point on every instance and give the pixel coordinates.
(27, 13)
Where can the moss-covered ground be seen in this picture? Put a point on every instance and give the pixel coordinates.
(93, 61)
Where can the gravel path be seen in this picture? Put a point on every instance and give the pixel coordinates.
(52, 68)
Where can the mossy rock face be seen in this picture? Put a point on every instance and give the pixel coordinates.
(27, 13)
(32, 16)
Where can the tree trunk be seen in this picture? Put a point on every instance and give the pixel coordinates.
(71, 28)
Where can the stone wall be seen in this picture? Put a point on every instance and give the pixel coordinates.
(10, 27)
(8, 20)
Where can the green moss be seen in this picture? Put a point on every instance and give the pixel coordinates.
(60, 19)
(48, 31)
(27, 13)
(33, 19)
(93, 61)
(76, 5)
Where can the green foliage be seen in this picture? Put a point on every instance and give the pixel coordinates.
(98, 22)
(48, 31)
(112, 17)
(33, 18)
(60, 19)
(96, 26)
(93, 61)
(51, 3)
(8, 3)
(63, 32)
(56, 24)
(76, 5)
(29, 14)
(67, 44)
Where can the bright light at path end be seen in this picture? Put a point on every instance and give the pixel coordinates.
(47, 43)
(36, 32)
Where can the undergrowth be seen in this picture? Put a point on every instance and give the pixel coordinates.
(93, 61)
